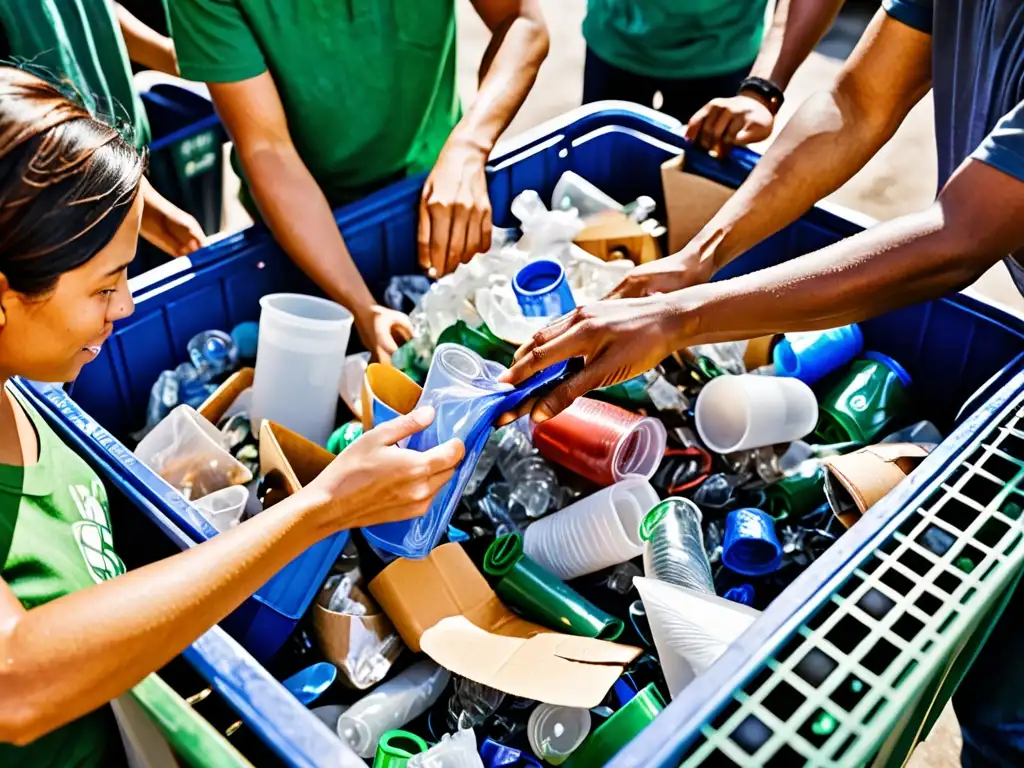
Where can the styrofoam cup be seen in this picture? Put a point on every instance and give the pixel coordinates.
(736, 413)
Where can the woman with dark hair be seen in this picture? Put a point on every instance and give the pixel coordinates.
(72, 637)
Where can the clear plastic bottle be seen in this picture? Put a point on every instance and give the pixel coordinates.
(163, 398)
(192, 389)
(391, 705)
(214, 354)
(674, 546)
(472, 704)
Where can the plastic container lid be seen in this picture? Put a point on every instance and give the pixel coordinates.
(884, 359)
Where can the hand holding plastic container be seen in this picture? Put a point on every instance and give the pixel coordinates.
(391, 705)
(299, 362)
(736, 413)
(467, 398)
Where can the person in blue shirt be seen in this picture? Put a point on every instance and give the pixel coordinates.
(971, 52)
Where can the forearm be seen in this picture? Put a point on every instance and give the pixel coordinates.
(295, 209)
(507, 72)
(829, 139)
(796, 28)
(69, 656)
(146, 46)
(895, 264)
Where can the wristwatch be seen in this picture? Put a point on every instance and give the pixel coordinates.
(769, 92)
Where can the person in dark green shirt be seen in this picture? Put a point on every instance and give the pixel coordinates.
(76, 631)
(705, 58)
(327, 100)
(89, 43)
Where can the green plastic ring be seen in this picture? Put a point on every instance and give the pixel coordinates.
(396, 748)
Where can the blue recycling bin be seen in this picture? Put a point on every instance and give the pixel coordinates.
(965, 349)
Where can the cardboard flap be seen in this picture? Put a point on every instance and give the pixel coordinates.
(759, 351)
(548, 667)
(417, 594)
(612, 235)
(867, 475)
(299, 460)
(390, 387)
(690, 201)
(217, 404)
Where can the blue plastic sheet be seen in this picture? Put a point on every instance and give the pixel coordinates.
(467, 398)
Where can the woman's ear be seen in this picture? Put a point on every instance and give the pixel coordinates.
(4, 290)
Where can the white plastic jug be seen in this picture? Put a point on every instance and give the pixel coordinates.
(299, 362)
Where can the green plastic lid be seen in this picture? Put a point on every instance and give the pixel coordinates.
(396, 748)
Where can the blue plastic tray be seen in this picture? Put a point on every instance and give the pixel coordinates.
(963, 348)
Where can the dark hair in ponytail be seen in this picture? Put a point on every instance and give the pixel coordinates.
(67, 182)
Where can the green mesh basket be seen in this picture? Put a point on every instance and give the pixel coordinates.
(863, 679)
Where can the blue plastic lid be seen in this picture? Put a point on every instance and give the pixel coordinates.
(538, 277)
(899, 370)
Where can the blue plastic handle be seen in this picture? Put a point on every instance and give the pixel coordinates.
(467, 399)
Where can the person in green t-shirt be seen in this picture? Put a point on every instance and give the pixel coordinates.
(89, 43)
(328, 100)
(699, 55)
(76, 631)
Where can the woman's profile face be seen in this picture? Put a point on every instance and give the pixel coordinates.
(50, 337)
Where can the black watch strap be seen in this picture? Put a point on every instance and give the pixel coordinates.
(766, 89)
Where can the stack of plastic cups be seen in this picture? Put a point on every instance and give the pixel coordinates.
(674, 546)
(737, 413)
(602, 442)
(596, 532)
(556, 732)
(811, 356)
(542, 290)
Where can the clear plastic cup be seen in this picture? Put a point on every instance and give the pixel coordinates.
(224, 508)
(690, 630)
(299, 362)
(735, 413)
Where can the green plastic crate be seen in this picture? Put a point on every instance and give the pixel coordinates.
(864, 678)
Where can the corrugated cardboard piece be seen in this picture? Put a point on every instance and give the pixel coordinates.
(388, 387)
(217, 404)
(759, 351)
(443, 606)
(857, 481)
(690, 201)
(297, 459)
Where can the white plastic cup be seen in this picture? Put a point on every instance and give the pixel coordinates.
(736, 413)
(299, 361)
(690, 629)
(596, 532)
(556, 732)
(224, 508)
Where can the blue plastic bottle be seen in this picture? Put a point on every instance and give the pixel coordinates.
(813, 355)
(214, 354)
(542, 290)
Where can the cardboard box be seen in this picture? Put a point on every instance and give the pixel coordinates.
(443, 606)
(690, 201)
(349, 641)
(610, 236)
(857, 481)
(386, 392)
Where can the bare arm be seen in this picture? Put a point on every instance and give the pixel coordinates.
(295, 208)
(146, 46)
(748, 117)
(455, 212)
(827, 141)
(976, 221)
(65, 658)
